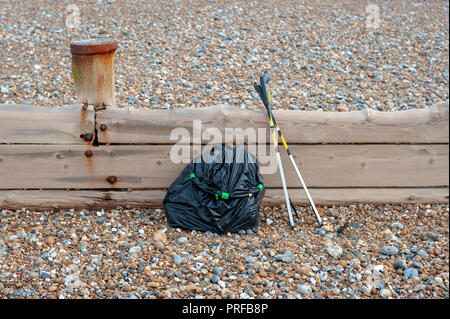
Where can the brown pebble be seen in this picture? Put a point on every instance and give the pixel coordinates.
(148, 271)
(388, 264)
(159, 245)
(110, 285)
(127, 288)
(305, 270)
(159, 235)
(341, 108)
(163, 295)
(153, 284)
(258, 291)
(191, 288)
(50, 240)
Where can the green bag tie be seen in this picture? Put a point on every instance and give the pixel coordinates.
(192, 175)
(223, 196)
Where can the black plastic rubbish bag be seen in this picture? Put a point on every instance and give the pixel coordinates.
(220, 191)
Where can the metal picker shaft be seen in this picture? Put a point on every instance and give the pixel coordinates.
(306, 189)
(280, 165)
(266, 100)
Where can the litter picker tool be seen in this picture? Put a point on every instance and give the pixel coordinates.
(265, 97)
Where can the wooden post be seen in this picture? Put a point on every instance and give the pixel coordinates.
(93, 71)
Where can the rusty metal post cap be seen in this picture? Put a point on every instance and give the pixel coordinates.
(93, 46)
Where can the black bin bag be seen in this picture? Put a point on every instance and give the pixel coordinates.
(220, 191)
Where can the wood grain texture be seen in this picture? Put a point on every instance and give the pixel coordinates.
(26, 124)
(59, 199)
(133, 126)
(345, 196)
(93, 76)
(149, 166)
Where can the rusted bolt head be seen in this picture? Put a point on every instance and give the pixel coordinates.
(103, 127)
(99, 107)
(88, 153)
(87, 137)
(111, 179)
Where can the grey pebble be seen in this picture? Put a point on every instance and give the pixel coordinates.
(134, 250)
(209, 234)
(320, 231)
(411, 273)
(177, 260)
(24, 292)
(400, 263)
(188, 85)
(133, 100)
(250, 259)
(217, 271)
(422, 253)
(95, 261)
(182, 240)
(45, 275)
(389, 250)
(323, 276)
(397, 225)
(215, 279)
(426, 235)
(304, 289)
(198, 266)
(129, 296)
(82, 245)
(287, 257)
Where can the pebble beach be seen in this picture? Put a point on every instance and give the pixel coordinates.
(321, 57)
(321, 54)
(362, 251)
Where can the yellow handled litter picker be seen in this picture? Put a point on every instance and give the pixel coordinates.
(265, 97)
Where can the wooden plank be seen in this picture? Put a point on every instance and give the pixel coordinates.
(141, 126)
(346, 196)
(58, 199)
(26, 124)
(150, 166)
